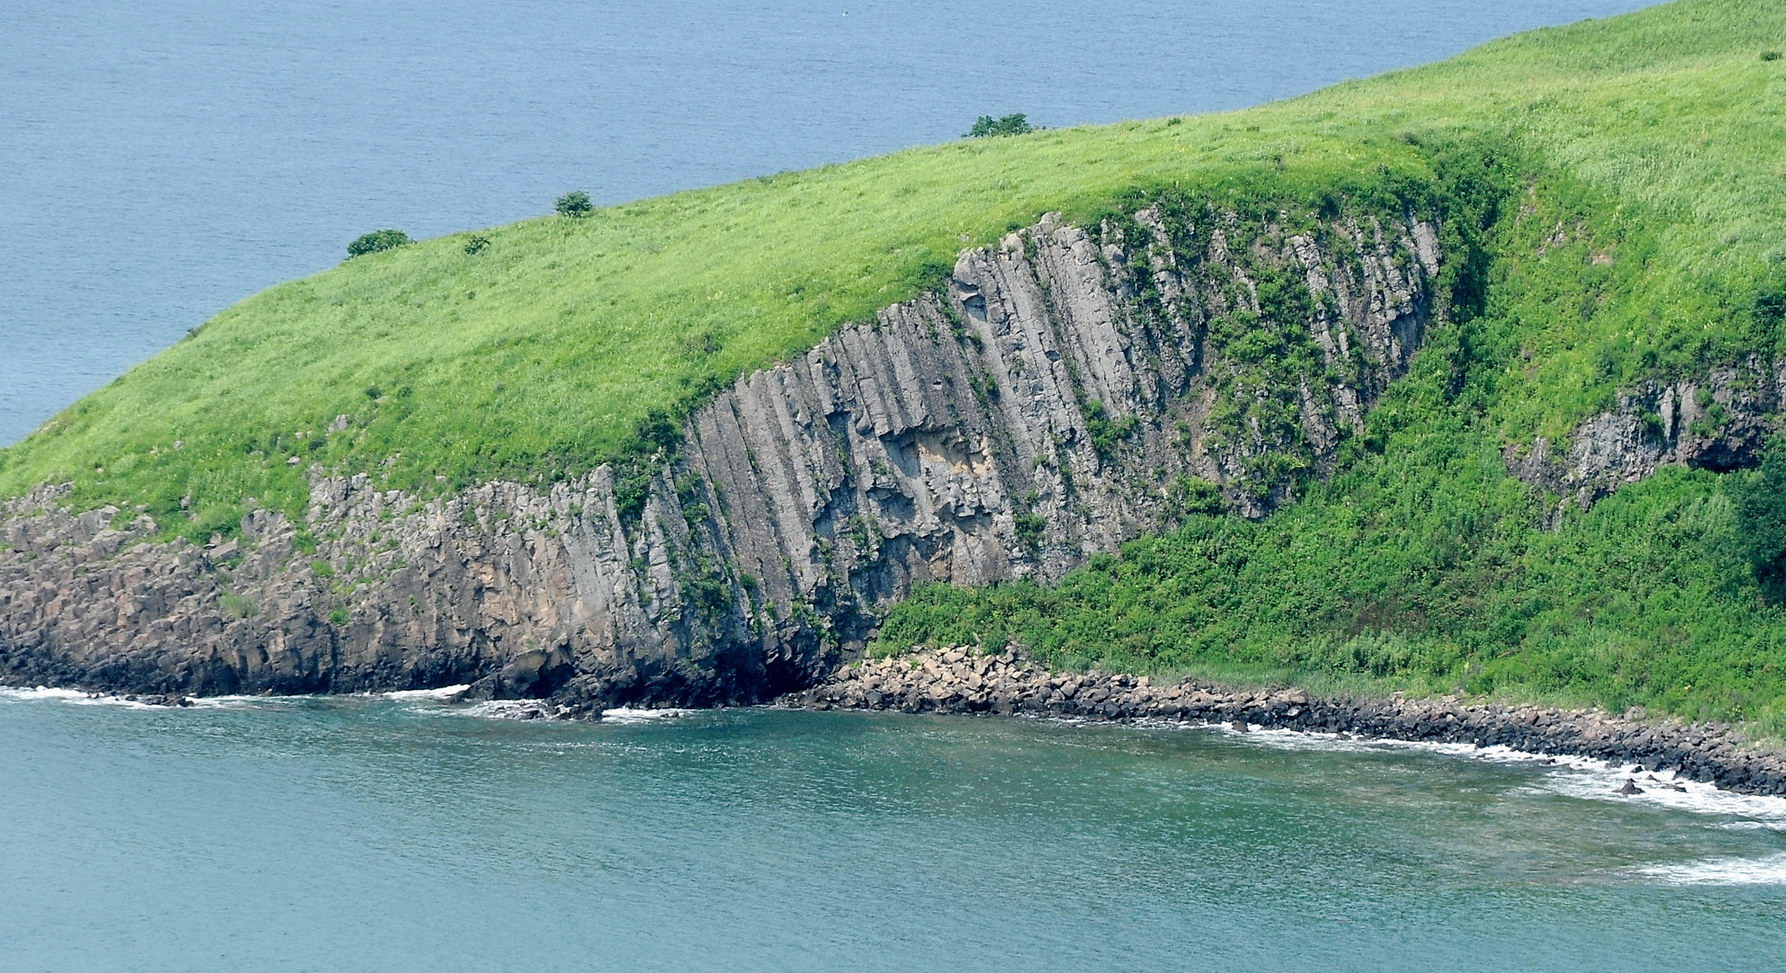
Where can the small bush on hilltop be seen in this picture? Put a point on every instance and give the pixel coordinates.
(575, 204)
(377, 240)
(986, 125)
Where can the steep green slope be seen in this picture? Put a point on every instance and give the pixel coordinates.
(1613, 194)
(1639, 234)
(541, 355)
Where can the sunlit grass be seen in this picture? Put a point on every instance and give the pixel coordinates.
(1660, 131)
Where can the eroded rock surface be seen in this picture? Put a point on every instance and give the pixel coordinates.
(1717, 421)
(1070, 389)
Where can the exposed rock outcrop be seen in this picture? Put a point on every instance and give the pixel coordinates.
(1069, 389)
(1717, 421)
(962, 681)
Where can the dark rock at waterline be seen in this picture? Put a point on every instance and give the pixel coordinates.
(1630, 788)
(959, 681)
(682, 581)
(161, 699)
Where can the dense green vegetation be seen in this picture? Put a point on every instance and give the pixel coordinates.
(575, 204)
(1614, 211)
(986, 126)
(377, 240)
(1423, 565)
(1426, 568)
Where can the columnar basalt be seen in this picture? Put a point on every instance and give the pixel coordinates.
(1063, 391)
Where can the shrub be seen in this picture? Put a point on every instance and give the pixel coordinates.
(986, 125)
(575, 204)
(1770, 55)
(1760, 500)
(377, 240)
(237, 606)
(477, 244)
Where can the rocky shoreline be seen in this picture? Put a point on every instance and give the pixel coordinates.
(964, 682)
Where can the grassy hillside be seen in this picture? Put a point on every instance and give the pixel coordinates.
(539, 356)
(1625, 183)
(1639, 232)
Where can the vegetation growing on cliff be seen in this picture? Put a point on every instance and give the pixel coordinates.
(1424, 565)
(1653, 143)
(1612, 194)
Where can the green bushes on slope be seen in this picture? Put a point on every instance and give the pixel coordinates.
(539, 359)
(1612, 204)
(1423, 565)
(376, 241)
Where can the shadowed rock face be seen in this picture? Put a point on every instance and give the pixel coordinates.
(1716, 421)
(1068, 390)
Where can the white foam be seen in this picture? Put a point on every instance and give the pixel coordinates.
(77, 697)
(442, 693)
(1722, 871)
(498, 709)
(626, 714)
(40, 692)
(1754, 826)
(1577, 777)
(71, 696)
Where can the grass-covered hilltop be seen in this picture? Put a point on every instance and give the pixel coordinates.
(1611, 198)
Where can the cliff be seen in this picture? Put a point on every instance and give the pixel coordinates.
(1716, 421)
(1065, 390)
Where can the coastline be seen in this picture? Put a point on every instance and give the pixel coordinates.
(957, 681)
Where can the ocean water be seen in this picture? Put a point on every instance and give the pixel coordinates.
(163, 160)
(402, 834)
(159, 161)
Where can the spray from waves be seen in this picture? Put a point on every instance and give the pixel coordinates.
(1722, 871)
(443, 693)
(626, 714)
(78, 697)
(1582, 778)
(72, 697)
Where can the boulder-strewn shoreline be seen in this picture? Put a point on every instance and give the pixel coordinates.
(961, 681)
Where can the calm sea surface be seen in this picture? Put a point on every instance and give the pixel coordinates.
(407, 834)
(161, 160)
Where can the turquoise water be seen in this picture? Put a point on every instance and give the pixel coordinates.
(163, 160)
(407, 834)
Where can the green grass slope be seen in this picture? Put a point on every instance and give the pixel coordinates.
(1617, 187)
(1637, 232)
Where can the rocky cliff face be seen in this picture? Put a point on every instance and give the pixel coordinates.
(1717, 421)
(1069, 389)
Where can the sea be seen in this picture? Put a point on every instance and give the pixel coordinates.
(159, 161)
(403, 832)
